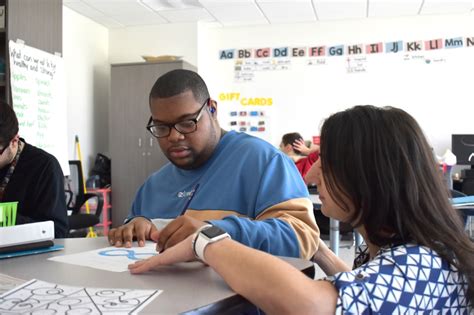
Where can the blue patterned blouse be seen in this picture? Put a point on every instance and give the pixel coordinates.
(405, 279)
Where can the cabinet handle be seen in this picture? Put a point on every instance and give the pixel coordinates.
(139, 142)
(143, 153)
(151, 142)
(148, 153)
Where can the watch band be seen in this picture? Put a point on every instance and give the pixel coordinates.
(195, 238)
(201, 240)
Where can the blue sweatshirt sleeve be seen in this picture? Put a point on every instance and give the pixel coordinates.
(273, 236)
(283, 212)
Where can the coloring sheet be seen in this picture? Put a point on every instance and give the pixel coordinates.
(39, 297)
(114, 259)
(8, 282)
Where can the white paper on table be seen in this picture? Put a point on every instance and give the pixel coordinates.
(8, 282)
(40, 297)
(114, 259)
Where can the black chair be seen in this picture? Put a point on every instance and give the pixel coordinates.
(464, 212)
(76, 198)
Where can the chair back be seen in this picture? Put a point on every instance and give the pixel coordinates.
(76, 197)
(75, 183)
(465, 211)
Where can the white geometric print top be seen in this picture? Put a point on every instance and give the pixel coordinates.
(406, 279)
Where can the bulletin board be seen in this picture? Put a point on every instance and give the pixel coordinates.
(298, 87)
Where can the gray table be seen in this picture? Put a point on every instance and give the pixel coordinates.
(187, 287)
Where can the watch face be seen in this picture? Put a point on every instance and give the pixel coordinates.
(212, 232)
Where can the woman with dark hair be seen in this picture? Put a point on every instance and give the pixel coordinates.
(376, 171)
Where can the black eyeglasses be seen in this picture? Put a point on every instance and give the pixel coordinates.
(183, 127)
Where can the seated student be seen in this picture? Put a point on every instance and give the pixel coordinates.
(238, 182)
(293, 145)
(286, 145)
(420, 260)
(311, 155)
(311, 175)
(30, 176)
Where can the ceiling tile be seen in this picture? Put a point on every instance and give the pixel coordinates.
(114, 13)
(286, 12)
(340, 9)
(109, 1)
(391, 8)
(283, 1)
(107, 22)
(213, 3)
(83, 9)
(120, 8)
(149, 18)
(159, 5)
(237, 13)
(446, 7)
(187, 15)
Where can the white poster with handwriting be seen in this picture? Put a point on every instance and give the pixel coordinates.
(39, 99)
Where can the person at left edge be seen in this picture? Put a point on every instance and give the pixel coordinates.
(30, 176)
(246, 186)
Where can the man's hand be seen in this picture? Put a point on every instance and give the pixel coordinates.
(301, 146)
(139, 227)
(176, 231)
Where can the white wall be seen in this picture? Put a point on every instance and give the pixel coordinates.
(89, 49)
(128, 45)
(85, 51)
(305, 115)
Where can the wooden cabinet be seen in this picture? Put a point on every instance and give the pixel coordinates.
(37, 22)
(134, 152)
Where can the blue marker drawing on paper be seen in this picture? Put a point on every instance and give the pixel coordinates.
(129, 253)
(109, 258)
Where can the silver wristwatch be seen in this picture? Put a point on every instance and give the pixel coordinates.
(206, 235)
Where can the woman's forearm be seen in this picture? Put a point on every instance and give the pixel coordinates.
(268, 282)
(328, 261)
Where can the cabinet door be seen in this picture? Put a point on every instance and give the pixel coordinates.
(127, 138)
(155, 157)
(135, 153)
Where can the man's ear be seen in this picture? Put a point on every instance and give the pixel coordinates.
(16, 138)
(213, 107)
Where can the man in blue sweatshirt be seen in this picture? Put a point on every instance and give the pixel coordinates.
(232, 180)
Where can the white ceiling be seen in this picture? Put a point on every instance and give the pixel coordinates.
(127, 13)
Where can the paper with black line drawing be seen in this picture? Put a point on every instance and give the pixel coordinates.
(38, 297)
(8, 283)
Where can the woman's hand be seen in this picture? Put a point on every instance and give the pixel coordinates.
(181, 252)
